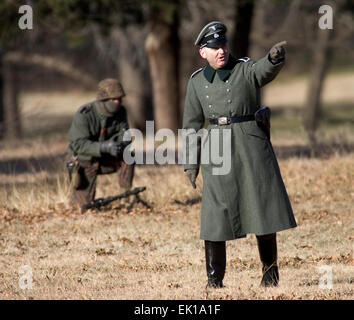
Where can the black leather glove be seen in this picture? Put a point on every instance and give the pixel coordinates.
(277, 52)
(192, 176)
(114, 148)
(111, 147)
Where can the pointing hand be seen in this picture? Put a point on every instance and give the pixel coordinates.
(277, 52)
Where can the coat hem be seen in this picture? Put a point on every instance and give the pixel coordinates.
(224, 239)
(203, 237)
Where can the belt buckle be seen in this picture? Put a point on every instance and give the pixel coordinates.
(223, 121)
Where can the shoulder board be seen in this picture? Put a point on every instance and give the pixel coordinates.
(244, 59)
(84, 109)
(195, 72)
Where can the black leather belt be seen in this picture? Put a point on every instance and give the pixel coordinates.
(227, 120)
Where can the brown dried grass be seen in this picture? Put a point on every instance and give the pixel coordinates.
(156, 253)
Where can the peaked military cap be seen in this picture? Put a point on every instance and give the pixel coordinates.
(110, 89)
(212, 35)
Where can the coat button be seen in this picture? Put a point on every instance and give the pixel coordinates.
(210, 105)
(207, 97)
(227, 81)
(206, 87)
(228, 89)
(229, 101)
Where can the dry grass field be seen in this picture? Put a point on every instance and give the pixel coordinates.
(156, 253)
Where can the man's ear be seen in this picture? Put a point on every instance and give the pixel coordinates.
(202, 53)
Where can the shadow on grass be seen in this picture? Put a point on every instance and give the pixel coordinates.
(288, 119)
(55, 163)
(47, 183)
(15, 166)
(318, 151)
(188, 202)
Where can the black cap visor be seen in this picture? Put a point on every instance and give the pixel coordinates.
(214, 42)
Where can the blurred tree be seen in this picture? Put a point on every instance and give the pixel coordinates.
(2, 123)
(162, 46)
(309, 47)
(108, 19)
(105, 21)
(135, 73)
(13, 125)
(112, 29)
(320, 63)
(243, 18)
(321, 59)
(10, 125)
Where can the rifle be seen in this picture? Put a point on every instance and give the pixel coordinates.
(97, 203)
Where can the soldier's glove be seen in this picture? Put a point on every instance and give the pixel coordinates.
(277, 52)
(114, 148)
(111, 147)
(192, 176)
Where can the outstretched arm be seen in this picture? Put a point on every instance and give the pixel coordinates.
(261, 72)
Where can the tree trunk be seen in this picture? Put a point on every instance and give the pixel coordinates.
(241, 37)
(132, 66)
(162, 49)
(13, 128)
(320, 62)
(134, 89)
(2, 111)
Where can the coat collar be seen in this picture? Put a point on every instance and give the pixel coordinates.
(223, 72)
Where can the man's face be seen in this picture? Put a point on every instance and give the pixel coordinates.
(113, 105)
(217, 57)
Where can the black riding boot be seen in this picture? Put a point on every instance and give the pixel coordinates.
(215, 258)
(267, 246)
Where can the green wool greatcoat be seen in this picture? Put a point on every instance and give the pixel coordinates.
(251, 197)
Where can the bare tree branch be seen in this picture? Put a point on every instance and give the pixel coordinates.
(53, 63)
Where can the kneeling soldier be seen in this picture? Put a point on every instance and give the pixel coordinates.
(96, 142)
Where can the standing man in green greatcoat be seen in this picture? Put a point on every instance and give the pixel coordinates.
(251, 197)
(96, 142)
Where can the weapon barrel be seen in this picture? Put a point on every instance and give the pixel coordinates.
(103, 201)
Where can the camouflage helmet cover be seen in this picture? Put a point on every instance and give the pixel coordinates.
(110, 89)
